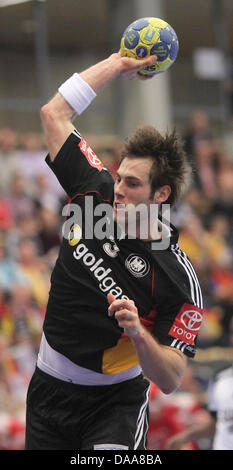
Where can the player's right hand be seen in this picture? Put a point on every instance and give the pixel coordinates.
(130, 66)
(126, 314)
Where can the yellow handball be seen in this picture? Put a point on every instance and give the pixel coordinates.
(151, 36)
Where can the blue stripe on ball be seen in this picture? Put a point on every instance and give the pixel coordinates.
(131, 39)
(173, 50)
(166, 36)
(161, 50)
(140, 24)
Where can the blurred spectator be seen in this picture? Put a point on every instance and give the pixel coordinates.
(218, 242)
(9, 162)
(20, 201)
(49, 234)
(13, 387)
(35, 270)
(6, 323)
(173, 414)
(180, 213)
(207, 246)
(212, 254)
(199, 130)
(204, 172)
(28, 226)
(26, 317)
(199, 205)
(219, 421)
(221, 284)
(228, 139)
(10, 272)
(6, 214)
(30, 236)
(43, 195)
(224, 202)
(32, 155)
(193, 241)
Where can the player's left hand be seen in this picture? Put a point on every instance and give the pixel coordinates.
(126, 313)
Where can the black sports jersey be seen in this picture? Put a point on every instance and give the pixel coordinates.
(162, 283)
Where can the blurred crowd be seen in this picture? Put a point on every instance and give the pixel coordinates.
(31, 202)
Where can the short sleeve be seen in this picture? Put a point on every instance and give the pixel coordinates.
(179, 317)
(79, 170)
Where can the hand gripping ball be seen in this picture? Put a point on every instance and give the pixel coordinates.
(151, 36)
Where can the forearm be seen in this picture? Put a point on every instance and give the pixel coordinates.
(103, 73)
(97, 77)
(162, 365)
(57, 114)
(77, 93)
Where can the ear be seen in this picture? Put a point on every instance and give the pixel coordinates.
(162, 194)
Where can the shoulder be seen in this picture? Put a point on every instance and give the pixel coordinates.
(177, 271)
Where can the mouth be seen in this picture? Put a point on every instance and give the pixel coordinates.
(118, 206)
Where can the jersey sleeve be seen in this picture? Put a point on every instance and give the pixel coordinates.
(179, 311)
(79, 170)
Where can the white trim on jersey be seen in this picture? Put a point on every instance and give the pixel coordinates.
(142, 422)
(176, 343)
(75, 132)
(195, 289)
(199, 294)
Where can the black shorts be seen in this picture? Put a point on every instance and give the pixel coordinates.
(66, 416)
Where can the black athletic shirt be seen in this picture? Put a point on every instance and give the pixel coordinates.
(162, 283)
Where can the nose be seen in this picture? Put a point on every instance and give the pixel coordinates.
(119, 189)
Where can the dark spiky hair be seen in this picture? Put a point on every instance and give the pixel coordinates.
(169, 165)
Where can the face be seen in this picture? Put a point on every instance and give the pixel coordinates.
(132, 187)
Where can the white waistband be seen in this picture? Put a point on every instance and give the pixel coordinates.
(59, 366)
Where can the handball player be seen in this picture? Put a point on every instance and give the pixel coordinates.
(122, 310)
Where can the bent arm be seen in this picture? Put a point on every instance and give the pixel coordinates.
(163, 365)
(57, 114)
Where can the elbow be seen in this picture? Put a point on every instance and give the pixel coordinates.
(168, 390)
(49, 119)
(47, 114)
(171, 386)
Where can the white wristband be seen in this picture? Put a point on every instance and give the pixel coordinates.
(77, 93)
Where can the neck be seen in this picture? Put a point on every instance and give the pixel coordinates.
(147, 232)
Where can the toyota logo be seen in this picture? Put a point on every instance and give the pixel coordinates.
(191, 319)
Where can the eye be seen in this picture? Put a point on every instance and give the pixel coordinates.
(117, 179)
(132, 184)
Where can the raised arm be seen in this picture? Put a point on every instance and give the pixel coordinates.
(77, 93)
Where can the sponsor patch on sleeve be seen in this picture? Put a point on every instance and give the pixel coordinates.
(91, 157)
(187, 323)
